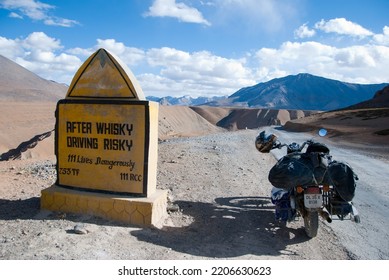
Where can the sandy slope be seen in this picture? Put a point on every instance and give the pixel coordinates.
(178, 121)
(20, 121)
(365, 129)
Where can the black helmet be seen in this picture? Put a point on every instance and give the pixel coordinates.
(264, 143)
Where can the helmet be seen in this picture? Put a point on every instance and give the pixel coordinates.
(264, 143)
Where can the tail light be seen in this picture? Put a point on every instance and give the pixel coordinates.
(312, 190)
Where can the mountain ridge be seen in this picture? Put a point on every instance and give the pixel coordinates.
(185, 100)
(19, 84)
(305, 91)
(294, 92)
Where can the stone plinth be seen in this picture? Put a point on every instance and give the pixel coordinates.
(144, 211)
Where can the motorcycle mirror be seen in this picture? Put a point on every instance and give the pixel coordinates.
(322, 132)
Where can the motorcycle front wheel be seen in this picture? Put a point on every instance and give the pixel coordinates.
(311, 223)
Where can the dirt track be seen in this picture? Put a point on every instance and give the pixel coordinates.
(219, 182)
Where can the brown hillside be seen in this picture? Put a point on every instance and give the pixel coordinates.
(176, 121)
(360, 126)
(365, 123)
(17, 84)
(242, 118)
(21, 121)
(212, 114)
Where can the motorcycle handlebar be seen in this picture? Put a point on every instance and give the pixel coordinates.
(266, 142)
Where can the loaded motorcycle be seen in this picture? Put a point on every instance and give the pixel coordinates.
(309, 183)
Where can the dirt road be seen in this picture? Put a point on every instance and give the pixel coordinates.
(219, 183)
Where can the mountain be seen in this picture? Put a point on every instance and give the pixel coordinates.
(185, 100)
(20, 84)
(303, 92)
(379, 100)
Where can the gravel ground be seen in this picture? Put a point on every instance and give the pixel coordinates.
(218, 201)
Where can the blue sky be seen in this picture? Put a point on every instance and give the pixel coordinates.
(201, 47)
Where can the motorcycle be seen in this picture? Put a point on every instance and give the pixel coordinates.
(309, 183)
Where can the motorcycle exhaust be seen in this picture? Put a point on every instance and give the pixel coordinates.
(325, 215)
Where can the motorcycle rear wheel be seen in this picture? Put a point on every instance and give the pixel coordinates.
(311, 223)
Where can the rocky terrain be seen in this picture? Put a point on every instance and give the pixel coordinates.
(219, 208)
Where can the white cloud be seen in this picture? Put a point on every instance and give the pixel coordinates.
(355, 64)
(80, 52)
(304, 32)
(10, 48)
(356, 57)
(35, 10)
(167, 56)
(169, 71)
(40, 41)
(15, 15)
(199, 72)
(254, 15)
(343, 27)
(42, 55)
(130, 56)
(198, 64)
(382, 39)
(31, 8)
(55, 21)
(165, 71)
(169, 8)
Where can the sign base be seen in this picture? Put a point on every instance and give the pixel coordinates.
(144, 211)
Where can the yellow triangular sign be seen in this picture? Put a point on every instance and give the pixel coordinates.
(102, 75)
